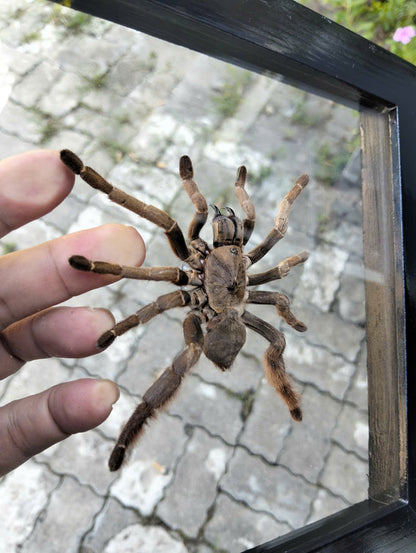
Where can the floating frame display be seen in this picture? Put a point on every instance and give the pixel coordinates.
(304, 49)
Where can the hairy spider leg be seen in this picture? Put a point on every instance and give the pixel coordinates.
(169, 274)
(281, 222)
(273, 363)
(246, 204)
(180, 298)
(149, 212)
(162, 390)
(281, 302)
(280, 271)
(186, 173)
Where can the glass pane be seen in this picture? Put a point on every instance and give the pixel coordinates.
(224, 467)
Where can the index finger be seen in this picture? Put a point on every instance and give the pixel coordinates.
(31, 185)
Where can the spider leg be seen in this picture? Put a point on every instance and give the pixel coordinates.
(280, 271)
(186, 173)
(162, 390)
(170, 274)
(149, 212)
(281, 302)
(245, 203)
(180, 298)
(281, 222)
(273, 363)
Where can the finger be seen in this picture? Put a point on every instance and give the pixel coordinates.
(39, 277)
(30, 425)
(31, 185)
(57, 332)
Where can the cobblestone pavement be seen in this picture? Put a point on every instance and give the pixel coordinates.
(224, 468)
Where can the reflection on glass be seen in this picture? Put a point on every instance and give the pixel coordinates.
(224, 468)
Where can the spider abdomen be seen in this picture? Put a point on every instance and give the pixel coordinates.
(226, 335)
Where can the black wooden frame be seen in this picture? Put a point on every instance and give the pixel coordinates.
(311, 52)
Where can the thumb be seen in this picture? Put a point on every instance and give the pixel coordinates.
(30, 425)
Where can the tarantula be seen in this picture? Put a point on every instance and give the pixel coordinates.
(217, 293)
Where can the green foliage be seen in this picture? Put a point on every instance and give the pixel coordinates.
(229, 97)
(264, 172)
(8, 247)
(71, 22)
(331, 160)
(31, 36)
(49, 129)
(95, 81)
(376, 20)
(116, 150)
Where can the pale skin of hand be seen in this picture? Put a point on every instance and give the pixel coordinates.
(32, 282)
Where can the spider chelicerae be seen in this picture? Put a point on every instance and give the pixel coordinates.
(216, 288)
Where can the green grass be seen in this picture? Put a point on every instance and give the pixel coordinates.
(228, 99)
(73, 23)
(30, 37)
(96, 81)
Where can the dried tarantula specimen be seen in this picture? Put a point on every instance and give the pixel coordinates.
(217, 290)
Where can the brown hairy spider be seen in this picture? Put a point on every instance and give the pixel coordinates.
(217, 293)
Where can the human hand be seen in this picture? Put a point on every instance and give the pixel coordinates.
(32, 282)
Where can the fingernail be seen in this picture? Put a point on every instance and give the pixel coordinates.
(105, 393)
(103, 319)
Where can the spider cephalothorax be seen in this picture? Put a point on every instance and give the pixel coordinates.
(216, 288)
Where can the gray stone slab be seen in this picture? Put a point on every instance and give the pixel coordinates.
(346, 475)
(352, 430)
(329, 331)
(150, 539)
(268, 424)
(358, 393)
(154, 135)
(32, 234)
(64, 96)
(62, 522)
(151, 466)
(326, 504)
(18, 62)
(318, 366)
(36, 83)
(153, 354)
(320, 278)
(142, 181)
(234, 527)
(64, 138)
(269, 489)
(84, 55)
(243, 377)
(194, 489)
(209, 406)
(112, 519)
(83, 456)
(12, 145)
(307, 446)
(21, 122)
(37, 376)
(22, 24)
(67, 210)
(342, 124)
(24, 497)
(191, 99)
(129, 72)
(348, 236)
(351, 294)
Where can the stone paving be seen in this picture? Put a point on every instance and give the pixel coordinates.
(224, 468)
